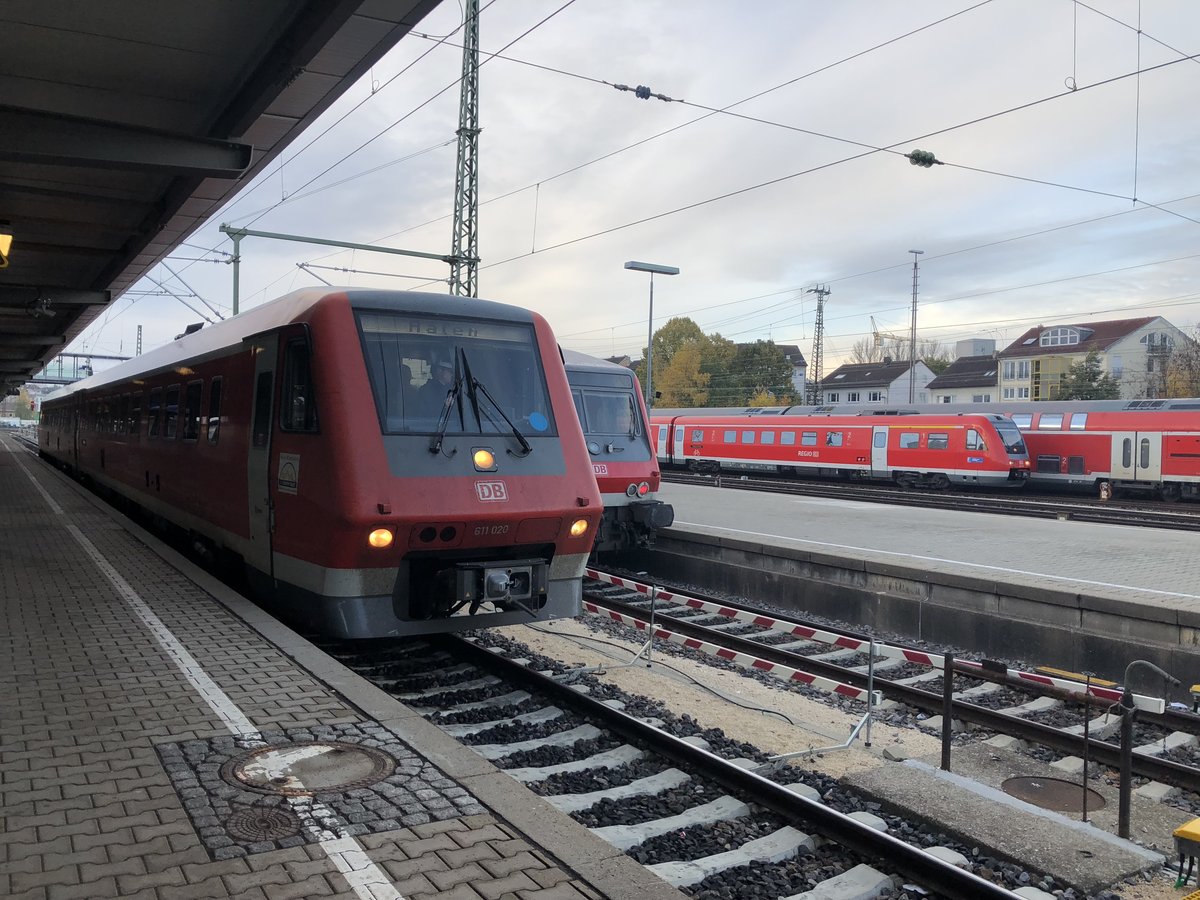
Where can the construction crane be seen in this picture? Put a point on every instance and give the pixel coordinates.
(879, 336)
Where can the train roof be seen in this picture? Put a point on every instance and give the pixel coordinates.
(283, 311)
(573, 359)
(1007, 408)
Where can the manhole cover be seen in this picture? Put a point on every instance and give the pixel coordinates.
(1052, 793)
(263, 824)
(308, 767)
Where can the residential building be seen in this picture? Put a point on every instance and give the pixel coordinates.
(799, 368)
(969, 379)
(877, 382)
(1135, 352)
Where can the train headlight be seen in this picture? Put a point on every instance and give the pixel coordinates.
(631, 491)
(579, 527)
(380, 538)
(484, 459)
(643, 489)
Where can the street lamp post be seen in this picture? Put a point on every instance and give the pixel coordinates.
(653, 269)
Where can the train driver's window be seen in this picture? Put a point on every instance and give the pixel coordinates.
(787, 438)
(299, 412)
(1052, 421)
(975, 440)
(731, 437)
(938, 440)
(833, 439)
(808, 439)
(909, 440)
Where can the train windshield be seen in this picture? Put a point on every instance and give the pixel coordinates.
(1011, 435)
(415, 362)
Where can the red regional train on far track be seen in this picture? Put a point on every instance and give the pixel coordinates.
(932, 450)
(1139, 447)
(383, 463)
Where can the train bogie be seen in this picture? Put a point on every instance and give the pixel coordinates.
(367, 495)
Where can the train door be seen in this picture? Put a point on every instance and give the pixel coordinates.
(660, 445)
(678, 456)
(1137, 456)
(879, 461)
(258, 470)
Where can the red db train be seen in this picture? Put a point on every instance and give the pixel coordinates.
(1147, 447)
(613, 416)
(931, 450)
(383, 463)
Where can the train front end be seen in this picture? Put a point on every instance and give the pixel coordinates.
(464, 494)
(1011, 452)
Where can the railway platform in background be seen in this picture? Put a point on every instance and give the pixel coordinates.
(145, 707)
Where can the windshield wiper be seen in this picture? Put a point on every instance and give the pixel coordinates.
(452, 395)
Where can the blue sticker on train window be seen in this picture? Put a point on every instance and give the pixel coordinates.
(974, 459)
(538, 422)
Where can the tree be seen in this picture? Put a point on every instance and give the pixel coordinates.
(756, 369)
(1087, 380)
(1183, 370)
(681, 383)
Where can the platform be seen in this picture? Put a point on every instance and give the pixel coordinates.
(1073, 595)
(145, 707)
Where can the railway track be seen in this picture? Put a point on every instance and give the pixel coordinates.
(702, 813)
(1046, 711)
(1113, 512)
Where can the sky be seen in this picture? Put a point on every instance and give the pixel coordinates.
(1070, 190)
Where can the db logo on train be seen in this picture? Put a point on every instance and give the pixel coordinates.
(491, 490)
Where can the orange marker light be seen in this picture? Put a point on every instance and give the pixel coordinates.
(484, 459)
(579, 527)
(380, 538)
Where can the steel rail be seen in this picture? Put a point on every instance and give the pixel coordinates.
(1163, 770)
(891, 853)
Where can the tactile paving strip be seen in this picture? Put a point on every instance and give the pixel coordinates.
(234, 820)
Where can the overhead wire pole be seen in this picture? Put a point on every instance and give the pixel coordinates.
(818, 354)
(912, 343)
(464, 252)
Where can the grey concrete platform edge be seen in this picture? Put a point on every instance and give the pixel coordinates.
(939, 602)
(605, 868)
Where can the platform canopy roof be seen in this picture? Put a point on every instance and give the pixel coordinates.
(124, 124)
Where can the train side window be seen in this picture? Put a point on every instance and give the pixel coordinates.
(833, 439)
(171, 411)
(909, 440)
(787, 438)
(1144, 452)
(1078, 421)
(1022, 420)
(214, 409)
(975, 440)
(152, 409)
(938, 440)
(135, 413)
(731, 437)
(808, 439)
(262, 409)
(1127, 452)
(747, 437)
(191, 410)
(768, 437)
(697, 435)
(879, 439)
(1050, 421)
(299, 411)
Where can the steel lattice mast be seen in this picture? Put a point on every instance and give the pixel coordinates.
(814, 368)
(464, 275)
